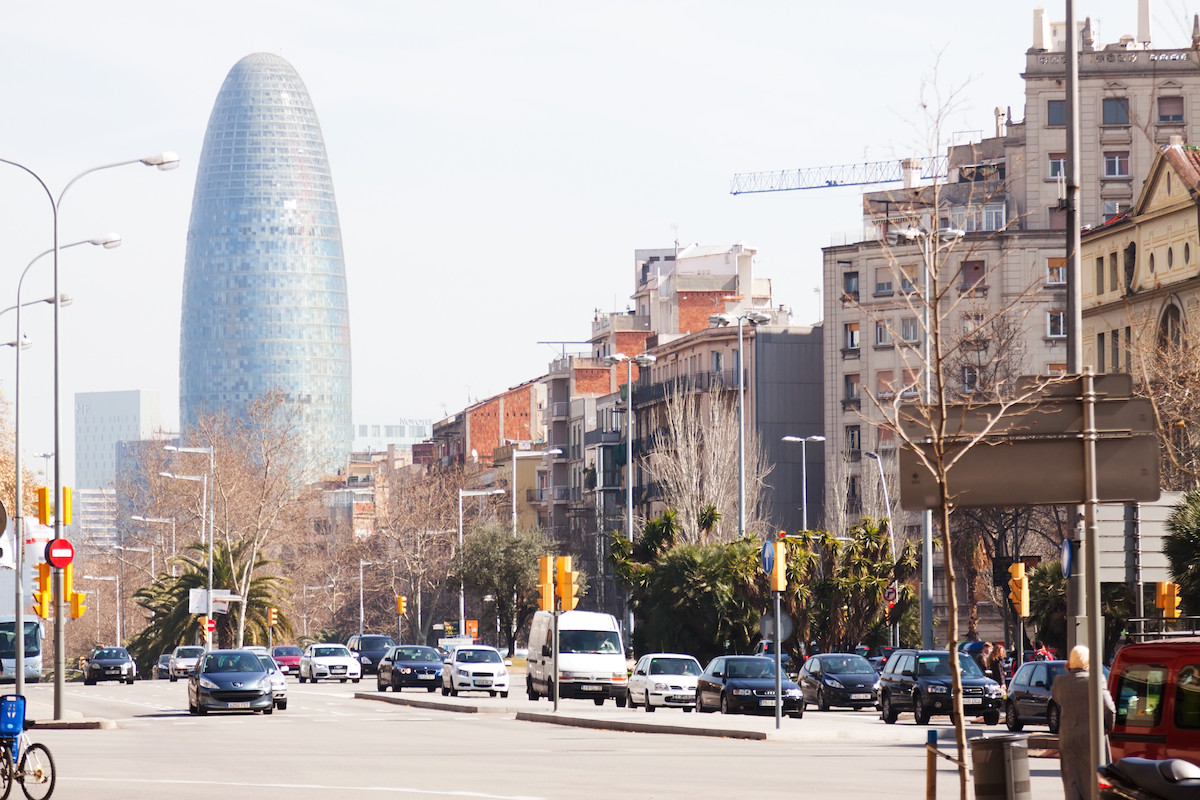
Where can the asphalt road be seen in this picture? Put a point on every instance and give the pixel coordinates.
(331, 744)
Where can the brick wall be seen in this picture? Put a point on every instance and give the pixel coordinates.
(696, 307)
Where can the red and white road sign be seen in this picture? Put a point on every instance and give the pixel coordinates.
(890, 594)
(59, 553)
(211, 625)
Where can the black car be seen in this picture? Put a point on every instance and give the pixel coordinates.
(838, 679)
(162, 669)
(409, 665)
(369, 649)
(230, 680)
(745, 684)
(109, 664)
(1029, 695)
(919, 681)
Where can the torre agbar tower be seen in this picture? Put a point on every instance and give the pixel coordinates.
(264, 294)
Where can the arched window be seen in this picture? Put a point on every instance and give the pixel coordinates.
(1170, 327)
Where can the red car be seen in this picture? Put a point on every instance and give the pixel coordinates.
(287, 656)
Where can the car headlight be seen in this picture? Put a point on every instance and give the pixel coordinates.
(620, 677)
(792, 693)
(462, 672)
(937, 688)
(994, 691)
(875, 686)
(365, 659)
(661, 687)
(405, 671)
(742, 692)
(205, 683)
(834, 682)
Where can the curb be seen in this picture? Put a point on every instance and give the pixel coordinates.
(432, 705)
(72, 724)
(637, 727)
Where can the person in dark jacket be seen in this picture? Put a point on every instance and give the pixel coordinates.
(1070, 694)
(995, 667)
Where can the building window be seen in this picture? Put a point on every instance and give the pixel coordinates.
(908, 329)
(1170, 109)
(883, 335)
(852, 338)
(1100, 275)
(1056, 368)
(972, 327)
(1116, 111)
(908, 277)
(972, 274)
(883, 383)
(1116, 164)
(994, 217)
(912, 378)
(850, 285)
(1058, 165)
(1056, 324)
(853, 438)
(1112, 272)
(1056, 113)
(970, 378)
(1128, 349)
(1170, 256)
(1151, 263)
(1114, 208)
(851, 382)
(883, 280)
(1056, 271)
(1115, 345)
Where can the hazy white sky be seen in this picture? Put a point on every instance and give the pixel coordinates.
(496, 164)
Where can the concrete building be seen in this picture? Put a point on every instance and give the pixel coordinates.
(102, 419)
(375, 437)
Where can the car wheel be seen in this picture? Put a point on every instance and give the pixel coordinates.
(397, 688)
(991, 717)
(797, 714)
(491, 694)
(724, 703)
(1052, 717)
(822, 705)
(919, 713)
(130, 681)
(300, 677)
(687, 709)
(445, 691)
(529, 690)
(889, 714)
(88, 681)
(598, 701)
(380, 686)
(269, 709)
(620, 699)
(173, 678)
(504, 694)
(354, 680)
(453, 692)
(200, 709)
(282, 706)
(629, 698)
(649, 708)
(343, 680)
(1011, 720)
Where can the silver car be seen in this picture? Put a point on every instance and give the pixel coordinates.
(278, 681)
(183, 661)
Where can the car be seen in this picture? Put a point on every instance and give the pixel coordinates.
(183, 661)
(369, 648)
(257, 649)
(839, 679)
(664, 679)
(475, 668)
(1029, 695)
(767, 648)
(109, 664)
(230, 680)
(919, 681)
(877, 663)
(1155, 686)
(287, 656)
(328, 660)
(278, 681)
(162, 668)
(745, 684)
(409, 665)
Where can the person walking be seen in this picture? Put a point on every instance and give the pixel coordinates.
(995, 667)
(1070, 694)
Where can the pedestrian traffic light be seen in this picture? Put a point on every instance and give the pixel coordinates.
(1019, 589)
(401, 605)
(568, 584)
(272, 617)
(545, 585)
(1171, 602)
(78, 604)
(43, 594)
(43, 505)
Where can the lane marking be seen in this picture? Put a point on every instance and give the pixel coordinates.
(317, 786)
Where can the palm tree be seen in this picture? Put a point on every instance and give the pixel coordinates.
(1182, 547)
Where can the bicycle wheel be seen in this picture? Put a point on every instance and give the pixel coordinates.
(6, 769)
(36, 772)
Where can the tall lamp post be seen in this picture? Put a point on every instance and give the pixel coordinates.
(163, 161)
(721, 320)
(162, 521)
(121, 600)
(203, 479)
(804, 440)
(643, 361)
(887, 504)
(462, 596)
(116, 616)
(211, 507)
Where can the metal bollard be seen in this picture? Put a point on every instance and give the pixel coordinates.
(931, 740)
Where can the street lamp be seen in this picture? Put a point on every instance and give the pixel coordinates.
(210, 507)
(123, 548)
(203, 479)
(462, 597)
(163, 161)
(721, 320)
(887, 503)
(162, 521)
(524, 454)
(361, 563)
(804, 440)
(116, 616)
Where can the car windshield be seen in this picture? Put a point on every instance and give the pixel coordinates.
(933, 666)
(845, 665)
(287, 651)
(112, 652)
(417, 654)
(232, 662)
(589, 642)
(331, 651)
(375, 643)
(189, 652)
(749, 668)
(674, 666)
(470, 656)
(165, 658)
(8, 646)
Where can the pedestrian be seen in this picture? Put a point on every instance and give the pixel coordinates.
(982, 656)
(1070, 694)
(1040, 653)
(995, 669)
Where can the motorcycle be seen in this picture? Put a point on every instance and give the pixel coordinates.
(1146, 779)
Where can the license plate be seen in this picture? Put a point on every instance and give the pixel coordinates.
(424, 677)
(113, 670)
(591, 688)
(337, 670)
(766, 703)
(682, 698)
(483, 681)
(972, 701)
(239, 705)
(861, 696)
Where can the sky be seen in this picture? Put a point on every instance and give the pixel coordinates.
(495, 164)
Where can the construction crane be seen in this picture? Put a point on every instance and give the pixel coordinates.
(843, 175)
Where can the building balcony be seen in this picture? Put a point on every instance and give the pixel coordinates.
(611, 323)
(595, 437)
(851, 403)
(560, 411)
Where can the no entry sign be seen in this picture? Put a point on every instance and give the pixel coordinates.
(59, 553)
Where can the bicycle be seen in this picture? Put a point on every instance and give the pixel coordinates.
(21, 760)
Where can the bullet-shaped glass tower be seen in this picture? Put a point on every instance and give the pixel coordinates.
(264, 295)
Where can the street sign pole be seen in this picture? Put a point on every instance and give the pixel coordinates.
(778, 662)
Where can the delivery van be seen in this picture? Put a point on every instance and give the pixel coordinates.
(1156, 688)
(591, 660)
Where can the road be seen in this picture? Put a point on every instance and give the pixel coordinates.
(329, 743)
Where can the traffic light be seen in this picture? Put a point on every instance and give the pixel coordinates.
(545, 585)
(44, 592)
(779, 572)
(568, 584)
(1171, 602)
(889, 614)
(78, 604)
(1160, 594)
(272, 617)
(401, 605)
(43, 505)
(66, 506)
(1019, 589)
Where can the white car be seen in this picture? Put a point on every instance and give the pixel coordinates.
(278, 681)
(329, 660)
(664, 679)
(183, 661)
(475, 668)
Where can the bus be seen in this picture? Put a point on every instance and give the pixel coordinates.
(35, 635)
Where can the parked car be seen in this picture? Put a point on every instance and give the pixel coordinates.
(839, 679)
(183, 661)
(745, 684)
(369, 648)
(409, 665)
(919, 681)
(475, 668)
(1029, 695)
(767, 648)
(1156, 688)
(109, 664)
(287, 656)
(162, 668)
(230, 680)
(664, 679)
(278, 681)
(329, 660)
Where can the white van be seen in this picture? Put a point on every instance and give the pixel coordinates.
(591, 660)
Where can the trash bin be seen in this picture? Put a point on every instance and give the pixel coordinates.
(1001, 767)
